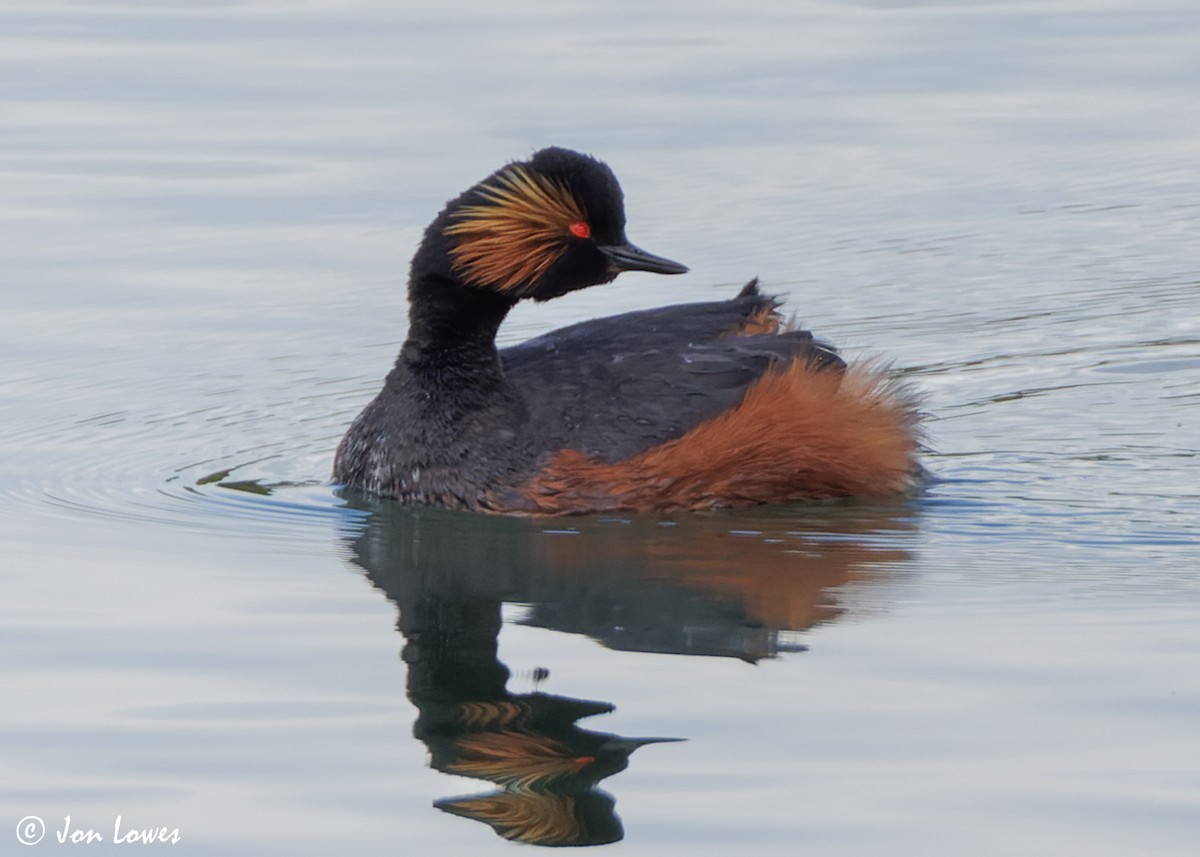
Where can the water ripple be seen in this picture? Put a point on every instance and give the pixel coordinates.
(207, 463)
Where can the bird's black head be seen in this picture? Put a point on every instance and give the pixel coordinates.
(537, 229)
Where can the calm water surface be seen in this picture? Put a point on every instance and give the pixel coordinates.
(206, 211)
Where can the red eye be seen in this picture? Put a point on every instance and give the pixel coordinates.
(580, 229)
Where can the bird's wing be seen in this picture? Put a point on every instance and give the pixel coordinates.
(616, 386)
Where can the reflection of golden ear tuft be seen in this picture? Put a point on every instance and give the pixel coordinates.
(490, 715)
(532, 817)
(519, 230)
(514, 759)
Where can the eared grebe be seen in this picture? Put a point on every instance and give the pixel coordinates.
(693, 406)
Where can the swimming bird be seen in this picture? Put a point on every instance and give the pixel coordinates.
(686, 407)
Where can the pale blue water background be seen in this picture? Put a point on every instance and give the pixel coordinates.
(206, 212)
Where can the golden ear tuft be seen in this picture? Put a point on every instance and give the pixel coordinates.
(520, 229)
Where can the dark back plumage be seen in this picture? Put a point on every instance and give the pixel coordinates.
(616, 386)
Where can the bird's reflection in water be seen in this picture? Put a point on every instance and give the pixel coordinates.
(702, 585)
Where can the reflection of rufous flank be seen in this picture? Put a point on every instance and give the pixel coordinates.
(515, 759)
(785, 582)
(787, 591)
(533, 817)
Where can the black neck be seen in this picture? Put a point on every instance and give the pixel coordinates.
(453, 324)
